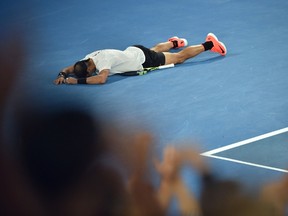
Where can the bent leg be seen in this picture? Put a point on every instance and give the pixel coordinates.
(183, 55)
(162, 47)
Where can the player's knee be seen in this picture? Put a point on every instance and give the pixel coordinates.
(175, 58)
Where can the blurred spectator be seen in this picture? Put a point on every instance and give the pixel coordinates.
(227, 197)
(276, 194)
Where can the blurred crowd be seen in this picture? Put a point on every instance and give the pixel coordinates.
(66, 162)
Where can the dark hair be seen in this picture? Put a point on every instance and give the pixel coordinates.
(80, 69)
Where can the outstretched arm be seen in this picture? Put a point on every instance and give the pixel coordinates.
(101, 78)
(172, 183)
(63, 74)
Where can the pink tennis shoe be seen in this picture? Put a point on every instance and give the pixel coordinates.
(218, 46)
(178, 42)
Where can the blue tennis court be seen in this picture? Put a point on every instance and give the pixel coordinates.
(213, 100)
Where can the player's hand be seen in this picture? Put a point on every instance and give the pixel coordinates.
(170, 165)
(70, 80)
(59, 80)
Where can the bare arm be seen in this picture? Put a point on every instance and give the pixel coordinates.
(172, 184)
(101, 78)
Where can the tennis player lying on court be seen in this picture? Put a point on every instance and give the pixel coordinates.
(134, 60)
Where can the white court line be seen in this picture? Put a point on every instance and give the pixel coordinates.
(245, 142)
(248, 163)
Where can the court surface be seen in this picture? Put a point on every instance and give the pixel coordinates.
(213, 100)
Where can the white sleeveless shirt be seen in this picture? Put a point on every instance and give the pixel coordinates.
(117, 61)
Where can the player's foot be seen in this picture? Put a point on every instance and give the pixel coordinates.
(178, 42)
(218, 46)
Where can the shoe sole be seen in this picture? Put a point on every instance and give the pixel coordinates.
(185, 41)
(212, 35)
(224, 52)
